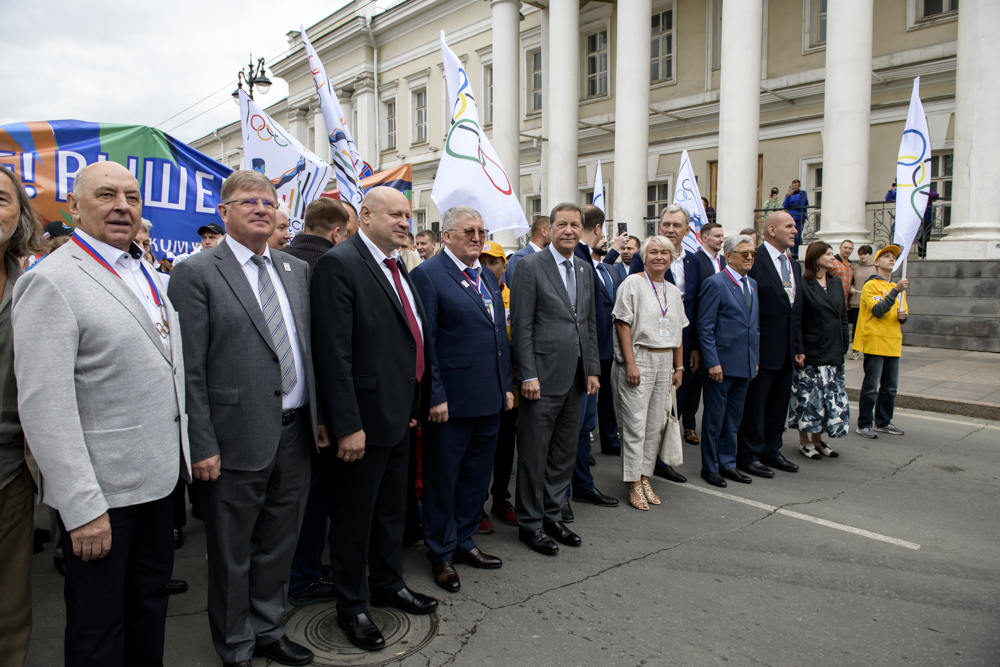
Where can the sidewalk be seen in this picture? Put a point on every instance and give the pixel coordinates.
(956, 382)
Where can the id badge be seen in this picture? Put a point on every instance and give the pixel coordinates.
(489, 305)
(664, 325)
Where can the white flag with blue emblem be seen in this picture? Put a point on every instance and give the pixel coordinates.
(913, 176)
(688, 197)
(599, 189)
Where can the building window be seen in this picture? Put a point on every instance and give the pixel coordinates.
(535, 80)
(488, 95)
(390, 124)
(597, 64)
(534, 208)
(817, 22)
(815, 189)
(716, 34)
(931, 9)
(941, 175)
(419, 220)
(661, 64)
(420, 116)
(658, 196)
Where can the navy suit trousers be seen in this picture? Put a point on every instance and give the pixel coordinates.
(721, 421)
(458, 462)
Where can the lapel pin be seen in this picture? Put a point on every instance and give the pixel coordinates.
(287, 267)
(465, 284)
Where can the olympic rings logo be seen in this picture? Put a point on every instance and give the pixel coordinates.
(264, 126)
(471, 126)
(919, 174)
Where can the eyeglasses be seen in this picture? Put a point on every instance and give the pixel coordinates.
(747, 254)
(469, 232)
(251, 202)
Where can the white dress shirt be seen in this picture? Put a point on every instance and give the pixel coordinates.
(775, 254)
(716, 264)
(739, 279)
(560, 264)
(297, 397)
(462, 266)
(677, 271)
(380, 258)
(129, 267)
(537, 248)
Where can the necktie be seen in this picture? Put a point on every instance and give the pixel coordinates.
(570, 281)
(786, 276)
(746, 292)
(608, 285)
(275, 324)
(411, 319)
(472, 272)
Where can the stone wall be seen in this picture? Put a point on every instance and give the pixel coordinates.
(954, 304)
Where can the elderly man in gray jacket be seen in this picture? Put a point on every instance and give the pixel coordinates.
(97, 355)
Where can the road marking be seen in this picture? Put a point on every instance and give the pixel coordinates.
(982, 424)
(796, 515)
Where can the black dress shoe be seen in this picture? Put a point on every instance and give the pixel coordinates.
(318, 591)
(736, 476)
(592, 461)
(445, 575)
(241, 663)
(178, 539)
(285, 652)
(714, 478)
(567, 512)
(361, 631)
(778, 461)
(666, 472)
(538, 541)
(476, 558)
(595, 497)
(756, 468)
(176, 586)
(409, 601)
(613, 451)
(562, 534)
(59, 564)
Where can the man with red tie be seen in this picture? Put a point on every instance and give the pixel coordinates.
(370, 356)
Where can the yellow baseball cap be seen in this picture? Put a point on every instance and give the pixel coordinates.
(493, 249)
(894, 249)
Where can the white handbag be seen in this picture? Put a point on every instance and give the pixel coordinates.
(670, 440)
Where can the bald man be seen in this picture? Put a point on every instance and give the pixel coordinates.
(371, 355)
(95, 333)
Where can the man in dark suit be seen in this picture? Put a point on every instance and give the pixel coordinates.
(598, 408)
(626, 247)
(539, 239)
(554, 331)
(712, 261)
(324, 227)
(766, 407)
(730, 342)
(369, 334)
(252, 410)
(470, 384)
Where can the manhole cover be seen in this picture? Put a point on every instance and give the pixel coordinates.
(316, 627)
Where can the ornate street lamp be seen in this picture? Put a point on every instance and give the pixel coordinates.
(257, 77)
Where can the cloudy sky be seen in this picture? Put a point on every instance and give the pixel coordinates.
(141, 63)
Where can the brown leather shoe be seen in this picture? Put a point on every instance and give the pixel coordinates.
(691, 436)
(445, 576)
(476, 558)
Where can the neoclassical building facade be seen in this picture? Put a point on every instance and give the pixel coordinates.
(759, 92)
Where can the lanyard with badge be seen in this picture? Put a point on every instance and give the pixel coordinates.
(481, 288)
(662, 322)
(162, 327)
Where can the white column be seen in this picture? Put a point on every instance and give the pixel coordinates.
(298, 124)
(846, 121)
(364, 102)
(546, 114)
(562, 72)
(632, 54)
(506, 104)
(974, 232)
(739, 113)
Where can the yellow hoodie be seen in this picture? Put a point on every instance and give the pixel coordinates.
(878, 331)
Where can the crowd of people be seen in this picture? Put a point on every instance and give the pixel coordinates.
(361, 388)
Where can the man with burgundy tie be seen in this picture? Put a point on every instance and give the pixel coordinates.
(371, 354)
(470, 385)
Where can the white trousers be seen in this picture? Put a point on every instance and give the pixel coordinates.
(642, 410)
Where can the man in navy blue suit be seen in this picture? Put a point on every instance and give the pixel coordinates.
(539, 239)
(728, 324)
(470, 385)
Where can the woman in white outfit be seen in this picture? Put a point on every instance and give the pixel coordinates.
(649, 319)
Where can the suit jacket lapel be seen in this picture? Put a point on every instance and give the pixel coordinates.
(123, 293)
(459, 276)
(296, 297)
(376, 270)
(237, 279)
(769, 269)
(553, 272)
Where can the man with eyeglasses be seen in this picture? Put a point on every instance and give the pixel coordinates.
(766, 406)
(252, 418)
(470, 385)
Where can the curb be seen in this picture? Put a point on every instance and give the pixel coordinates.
(975, 409)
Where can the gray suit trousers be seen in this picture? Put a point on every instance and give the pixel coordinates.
(252, 521)
(548, 432)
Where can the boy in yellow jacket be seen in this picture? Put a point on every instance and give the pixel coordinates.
(878, 336)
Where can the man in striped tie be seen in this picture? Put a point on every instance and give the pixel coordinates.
(253, 418)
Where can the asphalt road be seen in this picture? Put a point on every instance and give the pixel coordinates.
(887, 555)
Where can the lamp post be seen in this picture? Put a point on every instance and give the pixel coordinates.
(257, 77)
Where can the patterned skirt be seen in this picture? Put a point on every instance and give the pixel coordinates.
(819, 401)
